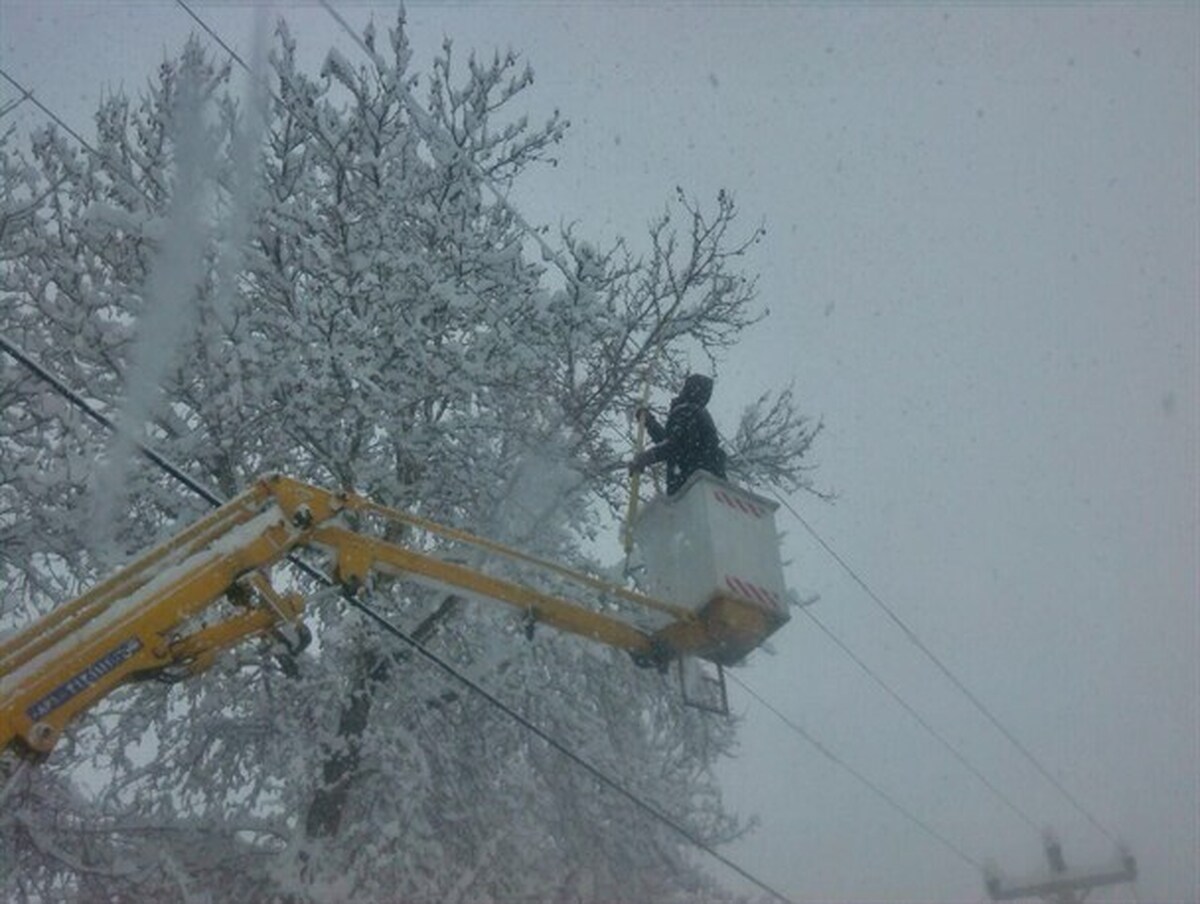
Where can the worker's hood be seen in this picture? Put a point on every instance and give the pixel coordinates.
(697, 388)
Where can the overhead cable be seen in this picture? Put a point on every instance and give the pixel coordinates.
(13, 104)
(28, 94)
(103, 420)
(912, 712)
(921, 720)
(233, 54)
(860, 777)
(595, 772)
(950, 676)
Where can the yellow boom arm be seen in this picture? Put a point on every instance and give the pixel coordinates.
(171, 611)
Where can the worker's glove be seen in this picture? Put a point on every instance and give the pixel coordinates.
(641, 461)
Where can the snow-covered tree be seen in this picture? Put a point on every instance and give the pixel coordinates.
(353, 303)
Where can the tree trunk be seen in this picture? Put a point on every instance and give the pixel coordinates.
(324, 816)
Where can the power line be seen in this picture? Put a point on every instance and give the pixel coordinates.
(949, 675)
(860, 777)
(594, 771)
(103, 420)
(912, 711)
(924, 723)
(598, 774)
(27, 94)
(12, 105)
(212, 34)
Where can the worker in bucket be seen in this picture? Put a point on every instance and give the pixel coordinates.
(689, 442)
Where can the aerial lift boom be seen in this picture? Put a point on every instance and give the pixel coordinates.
(169, 613)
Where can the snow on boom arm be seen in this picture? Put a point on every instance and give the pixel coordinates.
(170, 612)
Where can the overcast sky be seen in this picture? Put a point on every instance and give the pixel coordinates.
(981, 266)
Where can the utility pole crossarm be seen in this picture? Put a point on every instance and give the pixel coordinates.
(1062, 886)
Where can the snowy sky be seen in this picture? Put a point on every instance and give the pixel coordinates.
(981, 264)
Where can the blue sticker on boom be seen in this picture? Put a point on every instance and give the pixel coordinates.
(82, 680)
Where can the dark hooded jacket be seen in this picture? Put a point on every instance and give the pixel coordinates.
(689, 442)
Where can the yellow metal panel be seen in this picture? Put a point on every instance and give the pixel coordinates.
(223, 634)
(38, 698)
(646, 602)
(69, 618)
(728, 629)
(294, 497)
(544, 608)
